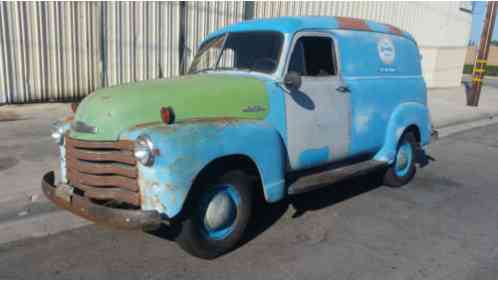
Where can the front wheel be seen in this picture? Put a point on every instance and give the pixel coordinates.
(403, 168)
(218, 215)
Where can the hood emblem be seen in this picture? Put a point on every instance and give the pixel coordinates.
(254, 108)
(82, 127)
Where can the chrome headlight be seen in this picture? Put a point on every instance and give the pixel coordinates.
(57, 129)
(144, 150)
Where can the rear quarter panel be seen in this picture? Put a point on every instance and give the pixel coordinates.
(381, 91)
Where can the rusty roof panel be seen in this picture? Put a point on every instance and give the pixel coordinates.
(394, 30)
(352, 23)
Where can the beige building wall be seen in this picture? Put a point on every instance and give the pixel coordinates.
(472, 53)
(443, 67)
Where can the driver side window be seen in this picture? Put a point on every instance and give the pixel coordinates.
(313, 56)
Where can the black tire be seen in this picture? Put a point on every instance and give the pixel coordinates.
(392, 178)
(192, 237)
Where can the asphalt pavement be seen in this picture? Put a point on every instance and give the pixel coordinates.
(442, 225)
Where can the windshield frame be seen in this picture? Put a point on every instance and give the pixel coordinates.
(226, 35)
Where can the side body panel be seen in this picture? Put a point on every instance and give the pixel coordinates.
(318, 121)
(186, 148)
(383, 85)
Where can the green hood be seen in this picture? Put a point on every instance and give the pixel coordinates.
(113, 110)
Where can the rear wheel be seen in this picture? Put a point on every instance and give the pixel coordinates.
(403, 169)
(218, 215)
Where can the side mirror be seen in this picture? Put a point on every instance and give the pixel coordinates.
(292, 80)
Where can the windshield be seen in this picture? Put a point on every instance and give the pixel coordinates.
(250, 51)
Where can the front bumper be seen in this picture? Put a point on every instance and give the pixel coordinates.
(83, 207)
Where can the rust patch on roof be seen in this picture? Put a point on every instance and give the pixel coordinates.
(394, 30)
(352, 23)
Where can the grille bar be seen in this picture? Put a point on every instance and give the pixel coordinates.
(103, 181)
(119, 145)
(102, 156)
(103, 170)
(110, 193)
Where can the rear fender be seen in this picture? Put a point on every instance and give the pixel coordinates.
(403, 116)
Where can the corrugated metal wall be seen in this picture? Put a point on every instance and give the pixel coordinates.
(65, 50)
(48, 50)
(141, 41)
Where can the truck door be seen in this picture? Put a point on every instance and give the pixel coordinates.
(318, 114)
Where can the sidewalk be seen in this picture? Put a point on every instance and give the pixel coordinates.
(448, 106)
(27, 152)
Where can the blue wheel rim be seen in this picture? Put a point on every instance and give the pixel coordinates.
(404, 158)
(207, 200)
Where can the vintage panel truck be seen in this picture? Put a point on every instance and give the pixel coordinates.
(277, 106)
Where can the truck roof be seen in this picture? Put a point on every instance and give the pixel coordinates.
(297, 23)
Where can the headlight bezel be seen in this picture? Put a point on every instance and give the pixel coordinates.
(143, 150)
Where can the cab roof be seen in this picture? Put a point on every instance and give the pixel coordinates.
(294, 24)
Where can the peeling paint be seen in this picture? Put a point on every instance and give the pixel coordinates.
(314, 156)
(189, 147)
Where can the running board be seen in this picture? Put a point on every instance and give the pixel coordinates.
(316, 180)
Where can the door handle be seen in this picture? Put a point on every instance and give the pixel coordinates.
(342, 89)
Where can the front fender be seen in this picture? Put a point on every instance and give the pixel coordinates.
(186, 148)
(403, 116)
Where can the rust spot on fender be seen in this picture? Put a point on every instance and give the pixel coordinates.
(150, 197)
(68, 118)
(147, 124)
(189, 120)
(168, 187)
(212, 119)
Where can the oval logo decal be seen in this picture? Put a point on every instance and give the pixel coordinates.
(386, 50)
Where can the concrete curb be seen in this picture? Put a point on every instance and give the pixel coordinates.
(459, 127)
(458, 122)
